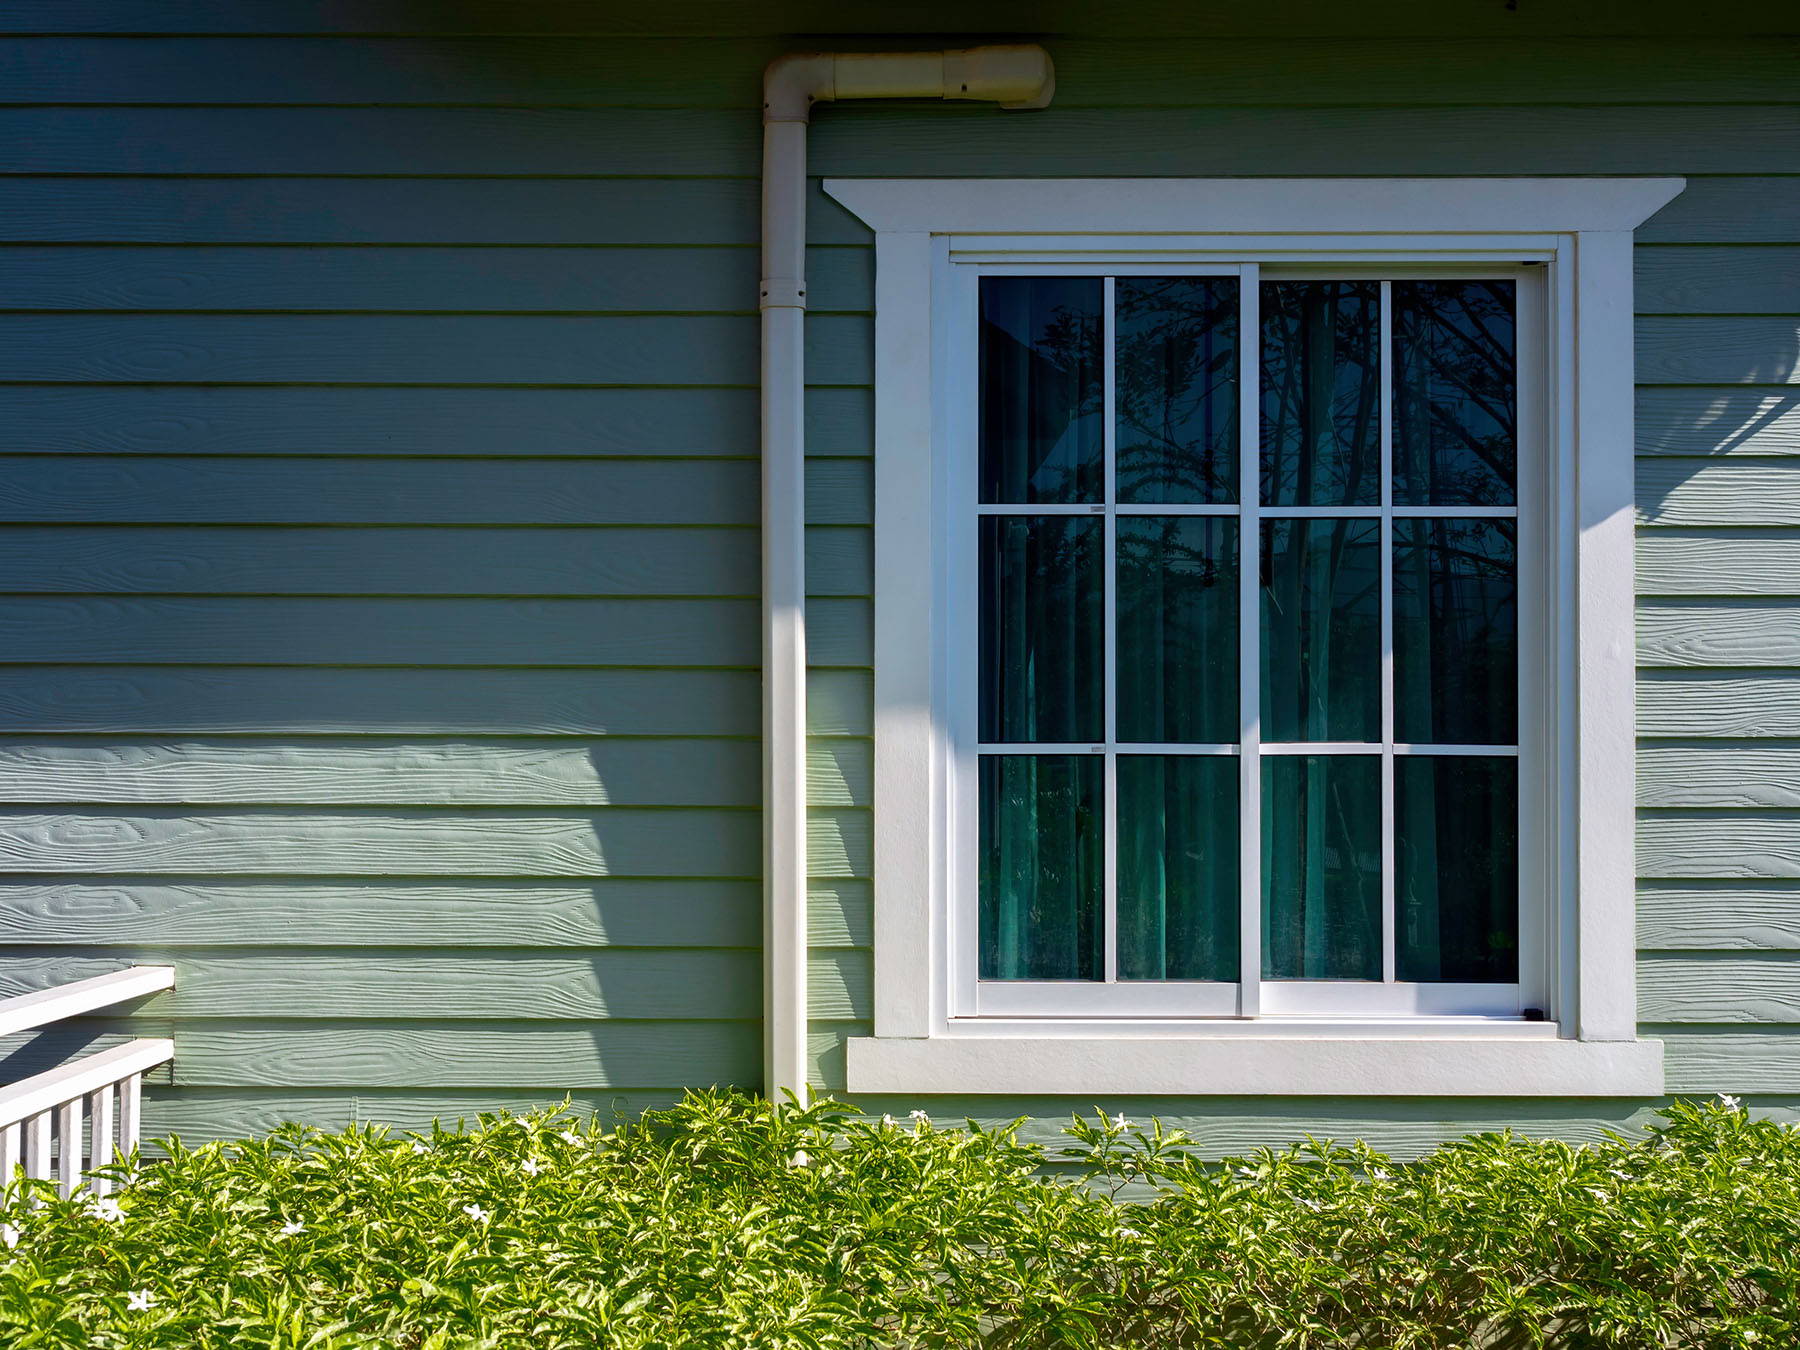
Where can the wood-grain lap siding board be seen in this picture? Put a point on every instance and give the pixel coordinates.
(378, 502)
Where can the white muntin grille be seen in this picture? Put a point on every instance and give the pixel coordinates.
(1252, 995)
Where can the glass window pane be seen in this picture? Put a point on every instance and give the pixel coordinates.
(1321, 393)
(1042, 853)
(1456, 651)
(1455, 390)
(1175, 388)
(1178, 639)
(1178, 867)
(1321, 860)
(1042, 617)
(1321, 630)
(1457, 868)
(1041, 408)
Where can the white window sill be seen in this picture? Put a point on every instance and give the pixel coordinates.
(1528, 1064)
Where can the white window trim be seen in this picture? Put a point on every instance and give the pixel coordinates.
(1580, 230)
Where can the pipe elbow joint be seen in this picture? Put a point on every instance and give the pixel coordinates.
(794, 82)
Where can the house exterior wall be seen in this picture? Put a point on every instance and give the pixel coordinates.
(379, 546)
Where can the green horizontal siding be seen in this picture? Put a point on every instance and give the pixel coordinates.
(1710, 703)
(650, 560)
(96, 912)
(561, 349)
(378, 548)
(900, 139)
(711, 19)
(1697, 914)
(722, 72)
(140, 490)
(1719, 562)
(230, 421)
(587, 212)
(720, 280)
(658, 212)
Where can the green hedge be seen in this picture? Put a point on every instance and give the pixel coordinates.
(727, 1222)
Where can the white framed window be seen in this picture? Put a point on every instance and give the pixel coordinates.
(1253, 636)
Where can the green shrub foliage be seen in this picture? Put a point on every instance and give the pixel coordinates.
(729, 1222)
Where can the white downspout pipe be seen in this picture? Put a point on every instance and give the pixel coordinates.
(1012, 76)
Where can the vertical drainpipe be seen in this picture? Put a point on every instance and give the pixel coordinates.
(1012, 76)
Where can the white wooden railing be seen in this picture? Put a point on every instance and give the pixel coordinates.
(42, 1118)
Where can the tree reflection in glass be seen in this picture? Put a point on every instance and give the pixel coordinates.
(1455, 393)
(1175, 343)
(1321, 393)
(1041, 389)
(1456, 651)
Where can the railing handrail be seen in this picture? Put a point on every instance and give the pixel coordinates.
(23, 1012)
(48, 1090)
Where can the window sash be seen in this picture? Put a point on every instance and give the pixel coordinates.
(1252, 995)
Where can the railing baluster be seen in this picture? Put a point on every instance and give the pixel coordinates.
(100, 1136)
(9, 1155)
(9, 1166)
(37, 1146)
(69, 1142)
(130, 1098)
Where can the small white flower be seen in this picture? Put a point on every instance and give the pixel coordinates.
(418, 1147)
(1130, 1233)
(800, 1159)
(1380, 1175)
(1246, 1171)
(293, 1228)
(570, 1137)
(887, 1121)
(107, 1208)
(477, 1213)
(921, 1116)
(1120, 1123)
(1596, 1192)
(1729, 1102)
(530, 1167)
(139, 1300)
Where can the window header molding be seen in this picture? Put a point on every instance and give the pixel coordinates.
(1579, 229)
(1307, 206)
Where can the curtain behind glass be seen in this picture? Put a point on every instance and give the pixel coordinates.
(1042, 855)
(1457, 880)
(1322, 867)
(1178, 867)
